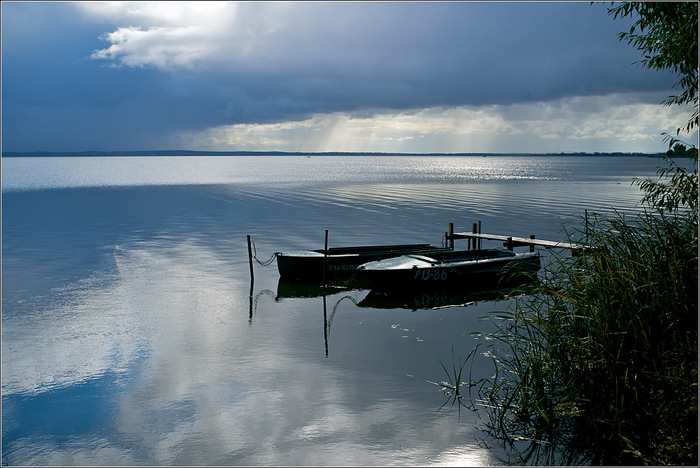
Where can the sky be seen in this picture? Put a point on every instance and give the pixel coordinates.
(511, 77)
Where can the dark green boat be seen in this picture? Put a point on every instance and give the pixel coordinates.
(342, 262)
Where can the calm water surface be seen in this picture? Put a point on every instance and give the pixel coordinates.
(130, 335)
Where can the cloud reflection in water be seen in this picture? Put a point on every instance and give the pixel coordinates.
(190, 381)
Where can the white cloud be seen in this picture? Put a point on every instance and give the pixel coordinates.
(159, 47)
(172, 35)
(571, 124)
(174, 14)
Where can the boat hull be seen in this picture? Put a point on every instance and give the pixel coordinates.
(466, 269)
(342, 262)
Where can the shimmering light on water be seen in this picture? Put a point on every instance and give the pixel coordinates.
(67, 172)
(130, 335)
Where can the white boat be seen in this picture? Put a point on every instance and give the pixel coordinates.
(440, 269)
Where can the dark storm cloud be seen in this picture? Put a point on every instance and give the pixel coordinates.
(159, 74)
(419, 55)
(412, 55)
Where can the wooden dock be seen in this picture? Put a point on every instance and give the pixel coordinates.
(509, 242)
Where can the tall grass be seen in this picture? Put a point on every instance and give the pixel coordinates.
(454, 386)
(600, 365)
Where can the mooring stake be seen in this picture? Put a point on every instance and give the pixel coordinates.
(250, 260)
(325, 261)
(325, 317)
(479, 240)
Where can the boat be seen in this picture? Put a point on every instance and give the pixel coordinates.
(342, 262)
(466, 268)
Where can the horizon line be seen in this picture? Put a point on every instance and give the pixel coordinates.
(311, 153)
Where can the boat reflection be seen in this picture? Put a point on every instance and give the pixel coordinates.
(411, 299)
(299, 288)
(450, 297)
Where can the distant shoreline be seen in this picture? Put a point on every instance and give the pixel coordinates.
(297, 153)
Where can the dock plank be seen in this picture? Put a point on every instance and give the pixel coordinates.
(518, 241)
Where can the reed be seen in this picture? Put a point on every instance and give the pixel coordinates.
(454, 384)
(599, 365)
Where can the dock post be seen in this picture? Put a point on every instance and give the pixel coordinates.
(473, 239)
(450, 233)
(325, 261)
(532, 246)
(479, 241)
(250, 260)
(325, 267)
(509, 243)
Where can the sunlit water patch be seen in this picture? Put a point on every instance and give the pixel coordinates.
(74, 172)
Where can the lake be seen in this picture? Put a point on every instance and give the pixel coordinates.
(131, 334)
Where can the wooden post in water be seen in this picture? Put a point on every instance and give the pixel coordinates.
(325, 267)
(509, 243)
(479, 241)
(450, 239)
(325, 262)
(250, 260)
(252, 282)
(532, 246)
(473, 232)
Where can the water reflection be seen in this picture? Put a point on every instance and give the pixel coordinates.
(446, 297)
(98, 325)
(413, 300)
(176, 375)
(455, 296)
(299, 288)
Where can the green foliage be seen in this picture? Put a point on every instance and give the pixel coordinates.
(681, 191)
(675, 189)
(667, 34)
(600, 365)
